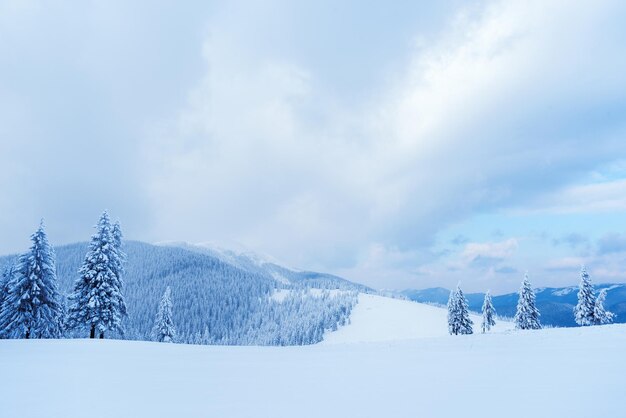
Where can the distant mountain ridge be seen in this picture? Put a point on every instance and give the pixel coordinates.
(556, 304)
(255, 263)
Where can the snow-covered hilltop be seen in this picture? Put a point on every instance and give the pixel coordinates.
(517, 374)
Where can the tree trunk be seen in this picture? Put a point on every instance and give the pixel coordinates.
(27, 336)
(92, 332)
(102, 335)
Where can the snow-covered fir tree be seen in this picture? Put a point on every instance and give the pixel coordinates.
(118, 242)
(489, 314)
(4, 291)
(600, 315)
(118, 236)
(459, 321)
(164, 330)
(97, 302)
(583, 311)
(527, 315)
(32, 306)
(452, 312)
(464, 318)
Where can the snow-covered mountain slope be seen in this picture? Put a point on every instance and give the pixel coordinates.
(219, 300)
(267, 266)
(572, 372)
(378, 318)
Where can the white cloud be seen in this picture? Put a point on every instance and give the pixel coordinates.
(608, 196)
(509, 107)
(511, 103)
(608, 268)
(496, 251)
(566, 263)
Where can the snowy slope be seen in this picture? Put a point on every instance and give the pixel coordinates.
(378, 318)
(208, 293)
(573, 373)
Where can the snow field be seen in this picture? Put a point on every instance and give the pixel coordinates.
(378, 318)
(570, 372)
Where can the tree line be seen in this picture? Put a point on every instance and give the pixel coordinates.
(588, 311)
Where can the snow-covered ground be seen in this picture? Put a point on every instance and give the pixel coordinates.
(378, 318)
(569, 373)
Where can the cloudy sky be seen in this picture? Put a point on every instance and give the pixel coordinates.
(399, 144)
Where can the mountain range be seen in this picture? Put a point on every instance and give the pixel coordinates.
(239, 297)
(556, 304)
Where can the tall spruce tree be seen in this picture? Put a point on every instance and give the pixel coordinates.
(164, 330)
(600, 315)
(583, 311)
(32, 305)
(118, 242)
(527, 315)
(452, 312)
(117, 234)
(463, 309)
(489, 313)
(97, 302)
(459, 321)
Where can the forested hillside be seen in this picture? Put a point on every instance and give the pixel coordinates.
(218, 302)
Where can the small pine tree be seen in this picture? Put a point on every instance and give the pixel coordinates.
(164, 330)
(459, 321)
(583, 311)
(206, 337)
(489, 313)
(527, 315)
(600, 315)
(97, 302)
(32, 305)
